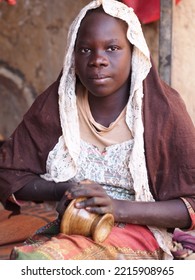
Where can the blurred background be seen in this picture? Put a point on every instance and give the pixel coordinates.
(32, 46)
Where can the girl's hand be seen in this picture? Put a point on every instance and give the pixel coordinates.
(97, 201)
(64, 201)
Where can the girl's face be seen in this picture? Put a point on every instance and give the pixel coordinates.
(103, 54)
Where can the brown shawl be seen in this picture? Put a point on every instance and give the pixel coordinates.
(169, 137)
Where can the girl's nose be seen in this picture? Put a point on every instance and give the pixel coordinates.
(98, 59)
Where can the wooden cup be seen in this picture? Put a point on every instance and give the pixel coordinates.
(82, 222)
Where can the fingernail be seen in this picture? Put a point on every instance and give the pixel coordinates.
(78, 204)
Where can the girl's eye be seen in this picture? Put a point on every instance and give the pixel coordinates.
(112, 48)
(85, 50)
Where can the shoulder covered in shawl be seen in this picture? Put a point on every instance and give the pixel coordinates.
(169, 142)
(24, 154)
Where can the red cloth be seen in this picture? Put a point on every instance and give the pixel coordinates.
(10, 2)
(131, 242)
(146, 12)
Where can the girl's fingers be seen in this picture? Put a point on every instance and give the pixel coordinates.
(85, 191)
(99, 210)
(93, 202)
(97, 201)
(96, 205)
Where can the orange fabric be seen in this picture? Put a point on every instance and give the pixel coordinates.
(17, 228)
(95, 133)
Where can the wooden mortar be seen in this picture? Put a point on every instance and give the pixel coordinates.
(82, 222)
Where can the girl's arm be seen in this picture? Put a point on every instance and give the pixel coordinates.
(166, 214)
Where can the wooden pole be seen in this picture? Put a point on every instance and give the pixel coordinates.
(165, 40)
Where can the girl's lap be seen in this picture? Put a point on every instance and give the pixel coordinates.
(129, 241)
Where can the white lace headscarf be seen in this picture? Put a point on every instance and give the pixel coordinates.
(62, 161)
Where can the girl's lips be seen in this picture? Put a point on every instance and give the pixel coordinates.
(99, 79)
(96, 74)
(96, 77)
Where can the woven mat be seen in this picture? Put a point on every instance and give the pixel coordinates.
(16, 229)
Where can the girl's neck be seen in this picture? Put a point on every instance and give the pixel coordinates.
(105, 110)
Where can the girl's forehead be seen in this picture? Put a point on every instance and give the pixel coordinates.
(97, 20)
